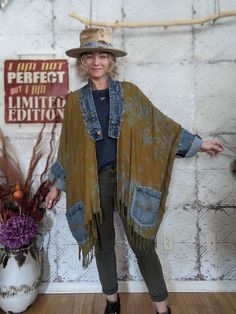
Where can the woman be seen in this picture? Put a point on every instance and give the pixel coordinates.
(116, 153)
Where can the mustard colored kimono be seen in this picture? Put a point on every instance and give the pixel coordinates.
(146, 149)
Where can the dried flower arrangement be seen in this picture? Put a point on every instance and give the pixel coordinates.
(21, 205)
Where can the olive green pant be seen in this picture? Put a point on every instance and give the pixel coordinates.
(149, 264)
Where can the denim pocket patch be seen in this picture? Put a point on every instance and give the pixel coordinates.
(75, 218)
(145, 206)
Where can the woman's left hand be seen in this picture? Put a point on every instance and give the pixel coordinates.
(212, 147)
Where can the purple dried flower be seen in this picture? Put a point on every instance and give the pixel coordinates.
(18, 231)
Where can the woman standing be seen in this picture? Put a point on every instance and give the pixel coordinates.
(116, 153)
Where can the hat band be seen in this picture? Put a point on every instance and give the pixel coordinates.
(96, 44)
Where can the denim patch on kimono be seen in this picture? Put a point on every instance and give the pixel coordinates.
(145, 206)
(75, 218)
(89, 112)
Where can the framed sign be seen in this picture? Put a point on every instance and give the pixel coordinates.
(35, 90)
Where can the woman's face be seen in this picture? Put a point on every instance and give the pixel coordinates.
(97, 64)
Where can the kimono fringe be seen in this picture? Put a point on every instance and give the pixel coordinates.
(87, 250)
(140, 242)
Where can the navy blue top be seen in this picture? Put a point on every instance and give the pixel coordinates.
(107, 147)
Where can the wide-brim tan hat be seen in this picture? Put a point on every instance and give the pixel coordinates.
(95, 39)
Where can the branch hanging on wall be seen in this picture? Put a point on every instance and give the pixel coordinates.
(164, 24)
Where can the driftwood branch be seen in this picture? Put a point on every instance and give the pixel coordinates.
(164, 24)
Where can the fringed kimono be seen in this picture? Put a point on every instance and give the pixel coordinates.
(147, 141)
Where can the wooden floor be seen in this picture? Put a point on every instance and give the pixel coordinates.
(134, 303)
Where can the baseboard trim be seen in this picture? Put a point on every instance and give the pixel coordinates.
(139, 286)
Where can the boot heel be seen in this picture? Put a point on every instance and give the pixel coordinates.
(113, 307)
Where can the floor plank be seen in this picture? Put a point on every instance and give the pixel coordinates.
(134, 303)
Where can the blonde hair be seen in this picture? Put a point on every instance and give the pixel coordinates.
(82, 70)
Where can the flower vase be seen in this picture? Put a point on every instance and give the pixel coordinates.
(20, 277)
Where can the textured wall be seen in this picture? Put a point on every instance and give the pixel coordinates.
(190, 74)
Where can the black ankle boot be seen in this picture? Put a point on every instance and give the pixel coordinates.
(168, 311)
(113, 307)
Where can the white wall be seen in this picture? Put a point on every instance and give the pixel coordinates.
(190, 74)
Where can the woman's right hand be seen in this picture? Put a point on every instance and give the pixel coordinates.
(53, 197)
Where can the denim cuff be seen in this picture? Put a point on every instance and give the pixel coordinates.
(57, 174)
(60, 185)
(185, 143)
(195, 147)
